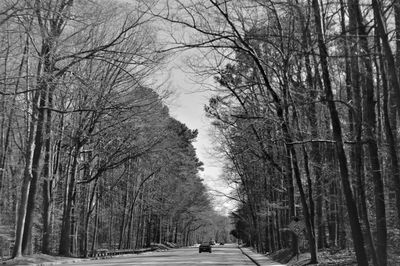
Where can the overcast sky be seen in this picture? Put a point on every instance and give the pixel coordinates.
(187, 105)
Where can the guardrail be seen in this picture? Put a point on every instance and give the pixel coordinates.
(102, 253)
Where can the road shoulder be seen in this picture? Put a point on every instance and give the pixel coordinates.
(259, 259)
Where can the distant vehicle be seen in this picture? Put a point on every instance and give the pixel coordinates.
(205, 247)
(222, 243)
(212, 242)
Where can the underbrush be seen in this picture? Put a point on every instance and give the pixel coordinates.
(325, 258)
(330, 257)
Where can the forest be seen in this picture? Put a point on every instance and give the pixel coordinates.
(304, 107)
(90, 156)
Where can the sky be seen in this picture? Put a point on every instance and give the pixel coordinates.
(187, 105)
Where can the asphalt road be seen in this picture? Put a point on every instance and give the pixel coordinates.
(221, 255)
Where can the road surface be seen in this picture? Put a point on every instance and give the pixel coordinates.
(221, 255)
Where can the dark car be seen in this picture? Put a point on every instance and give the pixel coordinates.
(205, 247)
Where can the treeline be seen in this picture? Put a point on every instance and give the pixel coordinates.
(306, 113)
(90, 157)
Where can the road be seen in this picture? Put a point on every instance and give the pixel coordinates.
(221, 255)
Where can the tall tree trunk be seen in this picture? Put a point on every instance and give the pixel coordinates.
(349, 47)
(394, 82)
(383, 35)
(380, 213)
(44, 88)
(311, 216)
(28, 175)
(111, 227)
(49, 34)
(49, 172)
(357, 39)
(96, 225)
(84, 196)
(122, 226)
(390, 137)
(306, 213)
(370, 135)
(332, 213)
(393, 103)
(65, 238)
(315, 150)
(91, 206)
(341, 222)
(337, 134)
